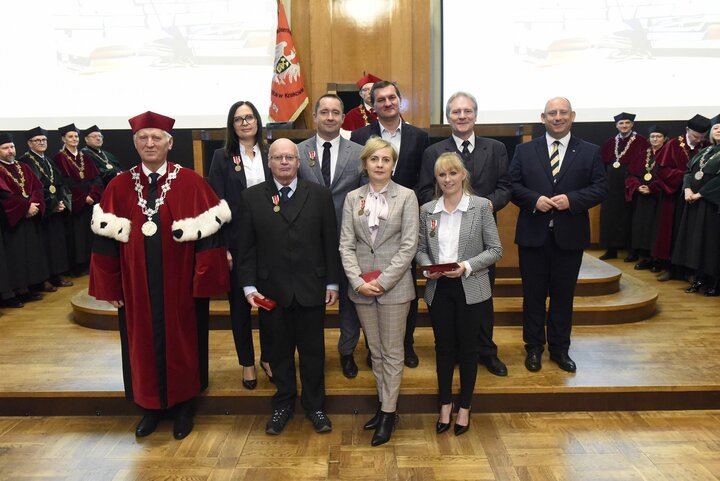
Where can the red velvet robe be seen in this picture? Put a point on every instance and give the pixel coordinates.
(672, 162)
(355, 119)
(16, 205)
(89, 185)
(190, 215)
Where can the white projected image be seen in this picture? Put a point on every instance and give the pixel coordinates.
(102, 61)
(651, 57)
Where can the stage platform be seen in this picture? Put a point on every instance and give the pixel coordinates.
(670, 360)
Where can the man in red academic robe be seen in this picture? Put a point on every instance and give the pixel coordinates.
(21, 207)
(157, 258)
(363, 114)
(672, 163)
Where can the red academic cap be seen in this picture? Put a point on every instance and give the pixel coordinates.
(369, 78)
(151, 120)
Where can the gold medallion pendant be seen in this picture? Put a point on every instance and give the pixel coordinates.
(149, 228)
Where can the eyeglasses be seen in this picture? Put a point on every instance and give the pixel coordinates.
(248, 119)
(39, 141)
(289, 158)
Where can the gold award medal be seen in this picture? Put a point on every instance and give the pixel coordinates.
(647, 177)
(52, 189)
(149, 228)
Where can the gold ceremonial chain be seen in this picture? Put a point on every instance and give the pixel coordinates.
(50, 176)
(364, 114)
(649, 167)
(683, 145)
(627, 146)
(21, 182)
(702, 163)
(81, 167)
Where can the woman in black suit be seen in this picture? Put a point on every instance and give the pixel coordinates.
(240, 164)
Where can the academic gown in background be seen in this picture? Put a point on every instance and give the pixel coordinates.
(106, 163)
(22, 236)
(358, 118)
(164, 280)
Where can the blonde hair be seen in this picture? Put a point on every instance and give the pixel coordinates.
(374, 144)
(451, 161)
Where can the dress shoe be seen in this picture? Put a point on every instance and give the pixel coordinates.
(31, 297)
(533, 361)
(411, 359)
(349, 368)
(632, 257)
(655, 268)
(664, 276)
(459, 428)
(147, 424)
(695, 286)
(249, 383)
(384, 429)
(368, 360)
(13, 302)
(320, 421)
(183, 425)
(48, 287)
(644, 264)
(58, 282)
(494, 365)
(441, 427)
(609, 254)
(563, 361)
(266, 370)
(713, 290)
(278, 420)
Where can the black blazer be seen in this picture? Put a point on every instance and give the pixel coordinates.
(293, 252)
(413, 144)
(581, 178)
(228, 184)
(487, 166)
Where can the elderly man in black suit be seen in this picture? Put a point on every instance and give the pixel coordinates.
(410, 142)
(486, 161)
(556, 179)
(289, 254)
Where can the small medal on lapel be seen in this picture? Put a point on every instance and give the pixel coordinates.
(312, 158)
(238, 163)
(276, 202)
(361, 211)
(433, 227)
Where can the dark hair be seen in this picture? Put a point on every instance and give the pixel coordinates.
(232, 143)
(329, 96)
(381, 85)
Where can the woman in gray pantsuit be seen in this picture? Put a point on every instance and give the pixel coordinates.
(457, 228)
(378, 240)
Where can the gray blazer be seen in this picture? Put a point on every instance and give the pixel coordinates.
(347, 170)
(393, 249)
(478, 244)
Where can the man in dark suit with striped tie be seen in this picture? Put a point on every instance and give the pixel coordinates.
(556, 179)
(487, 163)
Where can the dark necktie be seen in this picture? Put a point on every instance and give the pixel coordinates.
(154, 176)
(284, 194)
(152, 189)
(555, 159)
(326, 163)
(465, 150)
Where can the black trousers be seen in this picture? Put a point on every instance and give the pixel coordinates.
(301, 328)
(488, 348)
(548, 270)
(411, 320)
(241, 322)
(456, 325)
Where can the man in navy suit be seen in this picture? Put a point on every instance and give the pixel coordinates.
(329, 159)
(486, 161)
(410, 143)
(556, 179)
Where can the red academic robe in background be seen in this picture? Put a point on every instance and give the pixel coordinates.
(358, 118)
(164, 281)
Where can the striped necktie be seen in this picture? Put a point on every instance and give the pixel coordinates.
(555, 159)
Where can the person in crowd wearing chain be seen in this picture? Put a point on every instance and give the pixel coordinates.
(238, 165)
(619, 151)
(83, 178)
(106, 163)
(696, 246)
(642, 190)
(363, 114)
(157, 257)
(57, 207)
(22, 205)
(672, 163)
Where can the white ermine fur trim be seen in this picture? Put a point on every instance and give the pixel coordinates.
(202, 226)
(109, 225)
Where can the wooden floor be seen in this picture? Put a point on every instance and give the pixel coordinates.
(50, 364)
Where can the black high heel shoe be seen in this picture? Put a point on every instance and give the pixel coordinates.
(441, 427)
(249, 383)
(459, 428)
(265, 370)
